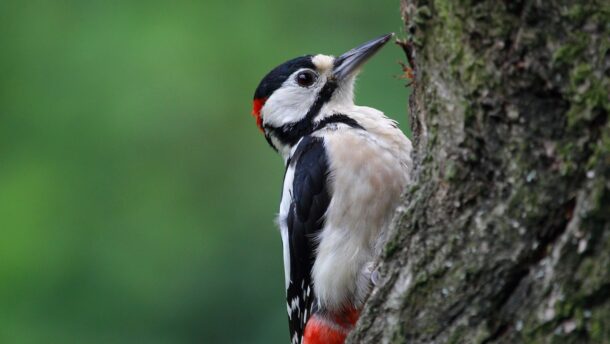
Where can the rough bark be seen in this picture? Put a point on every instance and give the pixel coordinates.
(505, 236)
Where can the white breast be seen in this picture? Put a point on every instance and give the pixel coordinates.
(369, 171)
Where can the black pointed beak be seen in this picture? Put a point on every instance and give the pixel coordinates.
(350, 62)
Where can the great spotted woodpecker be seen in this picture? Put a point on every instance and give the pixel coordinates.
(346, 167)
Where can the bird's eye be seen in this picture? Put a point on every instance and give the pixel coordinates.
(306, 78)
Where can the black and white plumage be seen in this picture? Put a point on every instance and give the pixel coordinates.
(346, 167)
(307, 200)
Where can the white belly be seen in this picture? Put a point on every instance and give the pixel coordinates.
(367, 180)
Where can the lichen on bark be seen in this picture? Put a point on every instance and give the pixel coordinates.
(505, 235)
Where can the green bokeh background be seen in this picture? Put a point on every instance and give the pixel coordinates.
(137, 196)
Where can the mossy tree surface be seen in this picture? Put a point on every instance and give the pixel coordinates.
(505, 236)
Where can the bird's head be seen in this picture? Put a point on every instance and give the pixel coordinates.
(289, 98)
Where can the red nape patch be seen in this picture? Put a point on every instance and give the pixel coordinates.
(257, 105)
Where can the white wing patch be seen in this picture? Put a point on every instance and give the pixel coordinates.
(284, 209)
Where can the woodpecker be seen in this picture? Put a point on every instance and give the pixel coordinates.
(346, 167)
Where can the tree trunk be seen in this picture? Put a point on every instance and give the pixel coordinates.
(505, 235)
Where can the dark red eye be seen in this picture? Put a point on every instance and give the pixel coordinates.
(306, 78)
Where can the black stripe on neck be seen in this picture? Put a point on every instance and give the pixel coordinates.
(338, 118)
(268, 138)
(291, 133)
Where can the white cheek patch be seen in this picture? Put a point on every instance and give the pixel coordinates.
(289, 103)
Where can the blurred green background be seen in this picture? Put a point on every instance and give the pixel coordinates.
(137, 196)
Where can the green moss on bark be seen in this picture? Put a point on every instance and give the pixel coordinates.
(505, 238)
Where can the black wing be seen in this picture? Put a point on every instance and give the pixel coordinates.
(310, 199)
